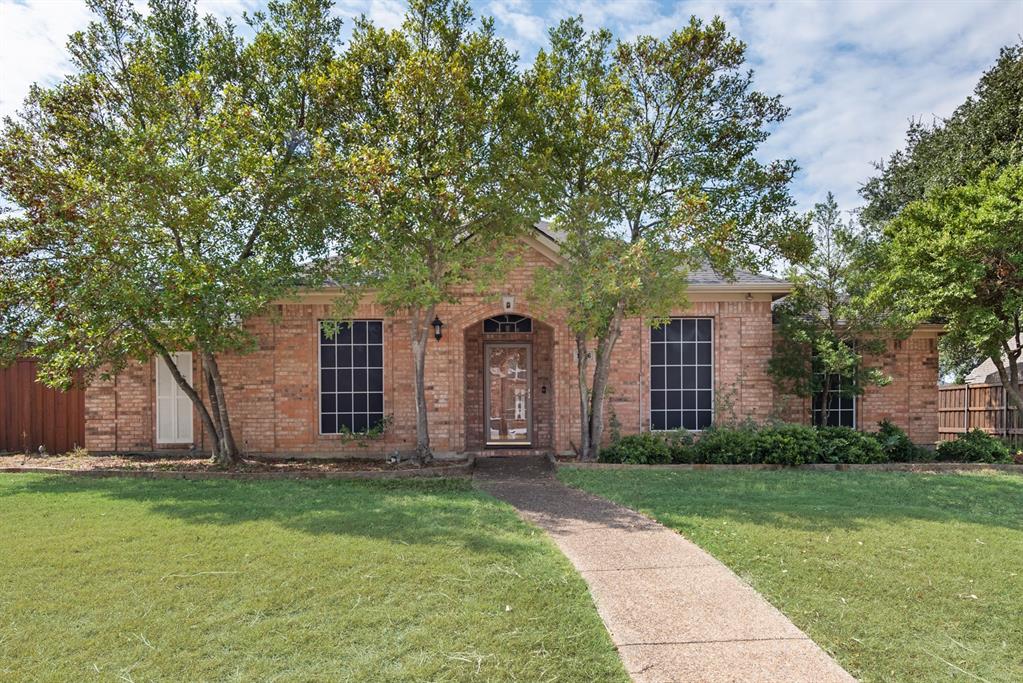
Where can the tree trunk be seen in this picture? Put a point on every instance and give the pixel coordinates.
(825, 401)
(420, 335)
(582, 366)
(601, 372)
(1008, 373)
(226, 454)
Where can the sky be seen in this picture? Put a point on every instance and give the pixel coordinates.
(853, 72)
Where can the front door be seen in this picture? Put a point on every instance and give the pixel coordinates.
(508, 406)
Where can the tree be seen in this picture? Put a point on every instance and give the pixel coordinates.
(958, 255)
(165, 191)
(431, 114)
(648, 165)
(985, 131)
(826, 332)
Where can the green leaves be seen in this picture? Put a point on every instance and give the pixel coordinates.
(169, 186)
(429, 138)
(648, 166)
(958, 256)
(825, 326)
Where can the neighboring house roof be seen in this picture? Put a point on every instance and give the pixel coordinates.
(704, 277)
(987, 373)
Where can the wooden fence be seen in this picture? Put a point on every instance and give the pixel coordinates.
(33, 415)
(962, 407)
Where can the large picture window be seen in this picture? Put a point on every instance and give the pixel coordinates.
(352, 377)
(841, 409)
(682, 374)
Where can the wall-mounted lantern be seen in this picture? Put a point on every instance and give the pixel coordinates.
(437, 326)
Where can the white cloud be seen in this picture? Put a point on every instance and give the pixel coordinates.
(387, 14)
(33, 35)
(525, 29)
(853, 72)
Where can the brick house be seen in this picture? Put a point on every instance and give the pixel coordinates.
(502, 375)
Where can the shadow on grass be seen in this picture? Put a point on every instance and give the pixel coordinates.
(814, 501)
(428, 512)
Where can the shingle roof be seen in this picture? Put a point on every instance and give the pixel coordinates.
(705, 276)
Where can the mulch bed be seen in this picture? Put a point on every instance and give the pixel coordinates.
(201, 466)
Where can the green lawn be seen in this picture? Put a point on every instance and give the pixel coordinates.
(135, 580)
(903, 577)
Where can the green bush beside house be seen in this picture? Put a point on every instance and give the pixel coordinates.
(792, 444)
(974, 446)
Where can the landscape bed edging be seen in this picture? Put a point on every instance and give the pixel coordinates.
(459, 470)
(875, 467)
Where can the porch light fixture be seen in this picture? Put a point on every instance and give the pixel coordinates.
(437, 326)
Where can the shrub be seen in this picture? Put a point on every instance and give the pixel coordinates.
(786, 445)
(680, 445)
(897, 445)
(975, 445)
(725, 446)
(637, 449)
(845, 445)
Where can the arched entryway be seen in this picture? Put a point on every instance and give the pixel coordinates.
(509, 383)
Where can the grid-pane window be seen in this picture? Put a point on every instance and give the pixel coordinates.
(841, 409)
(352, 377)
(682, 374)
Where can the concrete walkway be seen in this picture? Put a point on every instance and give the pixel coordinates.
(673, 611)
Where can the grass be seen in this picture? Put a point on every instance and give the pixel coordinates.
(141, 580)
(903, 577)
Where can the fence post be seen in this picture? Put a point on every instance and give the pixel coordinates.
(1005, 412)
(966, 410)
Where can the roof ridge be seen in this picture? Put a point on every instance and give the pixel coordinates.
(705, 275)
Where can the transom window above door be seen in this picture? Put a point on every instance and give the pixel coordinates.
(682, 374)
(352, 377)
(508, 323)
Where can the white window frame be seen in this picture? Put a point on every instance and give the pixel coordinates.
(713, 374)
(170, 397)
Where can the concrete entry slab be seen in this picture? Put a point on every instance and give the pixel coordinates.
(674, 612)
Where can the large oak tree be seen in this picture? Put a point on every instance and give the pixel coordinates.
(431, 114)
(165, 191)
(986, 131)
(647, 152)
(958, 256)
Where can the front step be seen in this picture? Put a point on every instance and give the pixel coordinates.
(513, 467)
(509, 452)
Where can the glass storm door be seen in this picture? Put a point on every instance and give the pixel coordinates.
(508, 388)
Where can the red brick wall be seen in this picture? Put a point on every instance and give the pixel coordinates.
(909, 401)
(274, 402)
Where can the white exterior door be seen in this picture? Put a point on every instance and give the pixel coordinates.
(173, 407)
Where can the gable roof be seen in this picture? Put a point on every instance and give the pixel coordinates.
(702, 278)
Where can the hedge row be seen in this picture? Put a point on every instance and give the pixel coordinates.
(791, 444)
